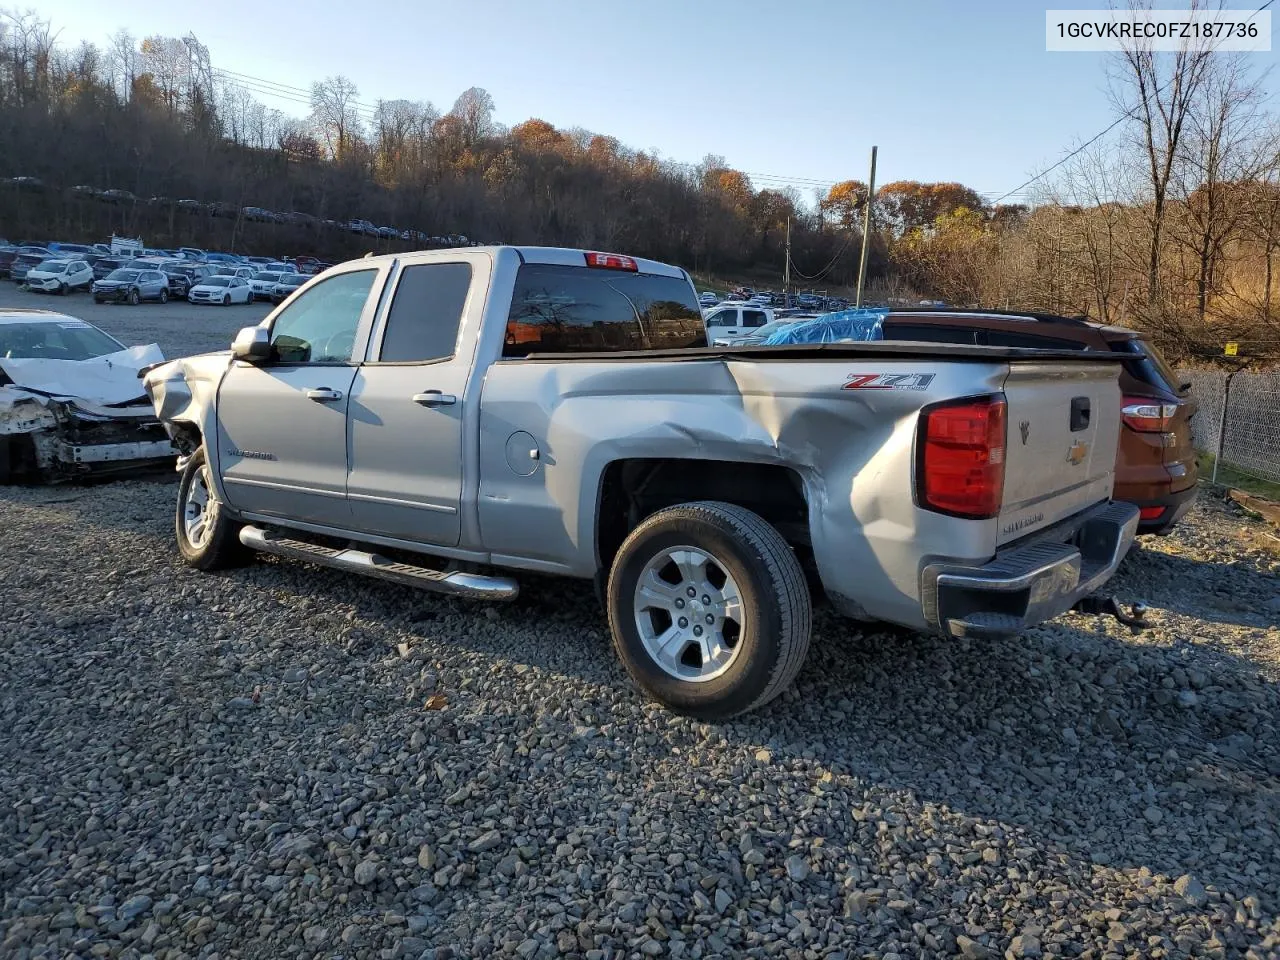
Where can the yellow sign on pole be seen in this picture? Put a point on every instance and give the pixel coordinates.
(1232, 349)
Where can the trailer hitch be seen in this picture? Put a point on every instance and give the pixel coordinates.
(1135, 619)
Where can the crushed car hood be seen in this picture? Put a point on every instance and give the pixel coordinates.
(110, 379)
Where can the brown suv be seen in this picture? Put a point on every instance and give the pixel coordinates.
(1156, 464)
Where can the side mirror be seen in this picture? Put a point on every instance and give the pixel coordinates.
(252, 345)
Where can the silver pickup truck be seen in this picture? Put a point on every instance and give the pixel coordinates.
(447, 419)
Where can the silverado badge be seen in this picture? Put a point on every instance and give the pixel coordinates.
(1079, 450)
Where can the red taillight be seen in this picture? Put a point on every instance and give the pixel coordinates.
(961, 465)
(1148, 415)
(1151, 513)
(611, 261)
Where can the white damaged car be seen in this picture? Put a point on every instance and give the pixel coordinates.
(60, 276)
(71, 401)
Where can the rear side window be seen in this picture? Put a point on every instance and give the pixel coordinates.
(425, 313)
(1148, 365)
(930, 332)
(1034, 341)
(723, 318)
(753, 318)
(562, 309)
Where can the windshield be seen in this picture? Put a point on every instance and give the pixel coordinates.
(66, 339)
(216, 282)
(292, 279)
(53, 266)
(124, 276)
(273, 277)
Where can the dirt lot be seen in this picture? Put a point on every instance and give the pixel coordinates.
(286, 762)
(179, 327)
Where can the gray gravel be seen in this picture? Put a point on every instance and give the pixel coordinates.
(286, 762)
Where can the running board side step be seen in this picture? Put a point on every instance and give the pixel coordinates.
(473, 586)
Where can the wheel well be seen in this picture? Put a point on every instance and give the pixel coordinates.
(186, 437)
(631, 490)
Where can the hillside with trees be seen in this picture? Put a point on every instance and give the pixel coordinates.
(1171, 223)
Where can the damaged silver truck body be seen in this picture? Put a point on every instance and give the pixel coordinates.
(452, 419)
(71, 402)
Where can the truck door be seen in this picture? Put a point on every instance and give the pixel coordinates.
(724, 322)
(408, 404)
(282, 424)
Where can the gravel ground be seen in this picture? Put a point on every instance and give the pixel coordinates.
(179, 327)
(286, 762)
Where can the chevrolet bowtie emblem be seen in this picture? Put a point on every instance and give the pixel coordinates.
(1079, 450)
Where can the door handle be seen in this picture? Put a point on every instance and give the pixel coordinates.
(434, 398)
(324, 395)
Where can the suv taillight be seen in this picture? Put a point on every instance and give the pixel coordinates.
(1148, 415)
(960, 466)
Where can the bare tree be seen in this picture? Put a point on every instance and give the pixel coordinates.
(1158, 92)
(1088, 200)
(335, 113)
(124, 62)
(474, 110)
(1224, 151)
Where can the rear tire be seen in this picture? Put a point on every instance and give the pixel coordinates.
(207, 540)
(722, 658)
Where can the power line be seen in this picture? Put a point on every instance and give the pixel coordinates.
(1128, 115)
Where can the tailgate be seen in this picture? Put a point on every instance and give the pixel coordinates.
(1063, 427)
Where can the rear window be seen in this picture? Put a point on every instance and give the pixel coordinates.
(1031, 341)
(1148, 365)
(563, 309)
(929, 332)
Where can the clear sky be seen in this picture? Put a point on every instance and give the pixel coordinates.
(792, 89)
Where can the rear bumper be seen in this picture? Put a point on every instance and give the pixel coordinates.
(1031, 581)
(1174, 507)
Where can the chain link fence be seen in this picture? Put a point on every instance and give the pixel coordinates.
(1249, 436)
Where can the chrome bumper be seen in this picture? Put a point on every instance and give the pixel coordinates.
(1031, 581)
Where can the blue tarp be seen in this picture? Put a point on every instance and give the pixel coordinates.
(841, 327)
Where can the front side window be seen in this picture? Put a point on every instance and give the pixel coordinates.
(320, 326)
(723, 318)
(566, 309)
(426, 313)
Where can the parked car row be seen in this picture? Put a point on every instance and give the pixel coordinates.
(145, 274)
(773, 298)
(250, 212)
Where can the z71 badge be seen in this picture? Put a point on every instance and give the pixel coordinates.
(889, 381)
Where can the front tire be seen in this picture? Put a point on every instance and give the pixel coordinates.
(207, 540)
(62, 289)
(164, 296)
(733, 644)
(226, 299)
(134, 298)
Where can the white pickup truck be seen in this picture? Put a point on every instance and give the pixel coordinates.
(448, 419)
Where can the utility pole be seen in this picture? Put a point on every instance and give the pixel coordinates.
(786, 269)
(866, 227)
